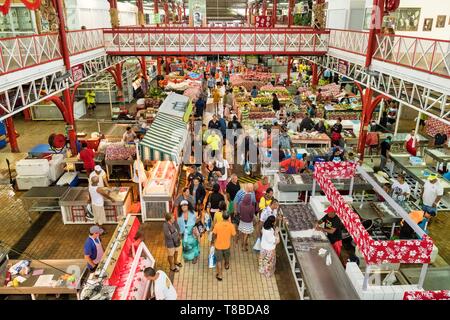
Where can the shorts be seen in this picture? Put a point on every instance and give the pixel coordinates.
(171, 251)
(430, 210)
(222, 254)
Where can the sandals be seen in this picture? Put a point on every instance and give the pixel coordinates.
(195, 261)
(178, 264)
(218, 278)
(227, 266)
(175, 270)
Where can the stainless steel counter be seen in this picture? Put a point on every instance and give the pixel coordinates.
(304, 182)
(436, 278)
(79, 196)
(323, 282)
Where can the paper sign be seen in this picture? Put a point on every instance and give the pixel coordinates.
(44, 281)
(38, 272)
(21, 279)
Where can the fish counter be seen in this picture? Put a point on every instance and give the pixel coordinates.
(321, 271)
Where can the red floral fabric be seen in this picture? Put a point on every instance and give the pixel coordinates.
(31, 5)
(263, 21)
(374, 251)
(427, 295)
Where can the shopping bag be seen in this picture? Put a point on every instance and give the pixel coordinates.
(211, 258)
(208, 221)
(257, 246)
(210, 236)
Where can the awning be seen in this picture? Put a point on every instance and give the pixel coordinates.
(164, 139)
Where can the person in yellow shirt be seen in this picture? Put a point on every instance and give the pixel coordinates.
(218, 216)
(216, 99)
(266, 200)
(213, 142)
(90, 99)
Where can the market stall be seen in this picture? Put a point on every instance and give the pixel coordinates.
(74, 205)
(306, 139)
(43, 199)
(119, 275)
(163, 147)
(315, 279)
(45, 277)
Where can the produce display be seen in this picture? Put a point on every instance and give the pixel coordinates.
(262, 100)
(299, 217)
(329, 91)
(261, 115)
(118, 151)
(279, 90)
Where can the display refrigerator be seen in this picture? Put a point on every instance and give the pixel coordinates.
(160, 190)
(120, 273)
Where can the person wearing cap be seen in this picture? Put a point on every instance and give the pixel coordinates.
(97, 195)
(432, 193)
(332, 226)
(93, 249)
(101, 174)
(163, 287)
(222, 233)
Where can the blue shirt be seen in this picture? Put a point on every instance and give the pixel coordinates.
(254, 93)
(90, 249)
(447, 176)
(211, 82)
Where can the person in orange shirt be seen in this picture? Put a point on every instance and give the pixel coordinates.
(222, 233)
(292, 165)
(216, 99)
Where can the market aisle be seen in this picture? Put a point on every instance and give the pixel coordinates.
(241, 282)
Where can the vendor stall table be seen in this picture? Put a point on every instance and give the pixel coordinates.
(317, 281)
(73, 205)
(28, 287)
(399, 140)
(124, 172)
(439, 155)
(42, 199)
(305, 140)
(436, 278)
(372, 211)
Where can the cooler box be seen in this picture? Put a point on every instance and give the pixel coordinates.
(68, 178)
(56, 167)
(28, 182)
(32, 167)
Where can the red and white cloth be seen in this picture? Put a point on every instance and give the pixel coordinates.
(263, 21)
(374, 251)
(427, 295)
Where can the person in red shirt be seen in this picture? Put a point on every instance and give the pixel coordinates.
(260, 188)
(292, 165)
(87, 156)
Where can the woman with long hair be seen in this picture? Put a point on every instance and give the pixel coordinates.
(189, 232)
(269, 241)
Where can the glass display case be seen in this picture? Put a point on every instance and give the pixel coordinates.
(160, 190)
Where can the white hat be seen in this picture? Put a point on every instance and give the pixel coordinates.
(184, 203)
(98, 168)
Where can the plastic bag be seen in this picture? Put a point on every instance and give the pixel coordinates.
(210, 236)
(211, 258)
(328, 260)
(257, 246)
(208, 221)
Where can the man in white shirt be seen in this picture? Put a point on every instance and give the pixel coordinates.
(270, 210)
(432, 193)
(128, 136)
(164, 290)
(223, 165)
(101, 174)
(97, 196)
(400, 190)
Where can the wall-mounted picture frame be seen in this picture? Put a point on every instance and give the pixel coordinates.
(408, 19)
(428, 24)
(440, 21)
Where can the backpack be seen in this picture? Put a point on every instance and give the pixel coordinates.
(247, 208)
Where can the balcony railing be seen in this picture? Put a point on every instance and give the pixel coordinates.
(422, 54)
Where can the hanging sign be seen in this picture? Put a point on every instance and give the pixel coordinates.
(197, 13)
(343, 66)
(77, 73)
(263, 21)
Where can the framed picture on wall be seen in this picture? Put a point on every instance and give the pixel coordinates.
(408, 19)
(440, 21)
(428, 24)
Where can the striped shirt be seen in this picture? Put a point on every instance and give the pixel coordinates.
(240, 196)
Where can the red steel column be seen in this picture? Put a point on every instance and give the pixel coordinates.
(144, 67)
(27, 114)
(375, 28)
(291, 5)
(274, 13)
(184, 11)
(166, 12)
(156, 9)
(289, 67)
(12, 136)
(140, 6)
(66, 93)
(264, 8)
(315, 76)
(158, 65)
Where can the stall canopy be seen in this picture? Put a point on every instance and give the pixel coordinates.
(167, 135)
